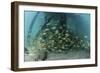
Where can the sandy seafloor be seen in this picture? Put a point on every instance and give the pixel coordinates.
(72, 54)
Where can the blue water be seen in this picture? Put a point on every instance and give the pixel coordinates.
(79, 23)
